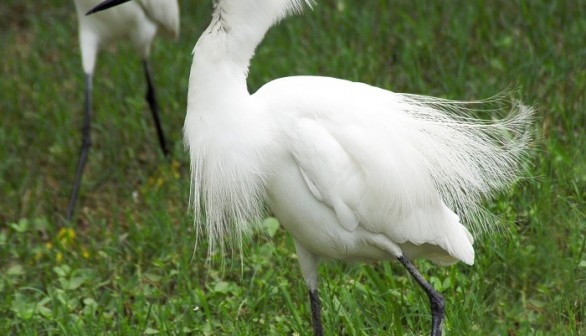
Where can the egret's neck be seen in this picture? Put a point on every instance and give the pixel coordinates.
(223, 53)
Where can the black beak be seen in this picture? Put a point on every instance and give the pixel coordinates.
(105, 5)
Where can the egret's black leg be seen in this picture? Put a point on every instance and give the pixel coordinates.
(318, 329)
(152, 100)
(435, 298)
(86, 143)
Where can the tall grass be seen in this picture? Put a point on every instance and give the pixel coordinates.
(127, 265)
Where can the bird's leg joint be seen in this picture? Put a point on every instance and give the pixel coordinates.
(437, 302)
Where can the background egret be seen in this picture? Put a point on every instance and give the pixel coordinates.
(138, 23)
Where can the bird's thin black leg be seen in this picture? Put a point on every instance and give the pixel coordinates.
(86, 143)
(318, 329)
(152, 100)
(435, 298)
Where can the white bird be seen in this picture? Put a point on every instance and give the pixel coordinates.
(353, 172)
(136, 22)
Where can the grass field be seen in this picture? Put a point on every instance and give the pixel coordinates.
(126, 265)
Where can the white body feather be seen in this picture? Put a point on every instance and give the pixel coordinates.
(138, 21)
(353, 172)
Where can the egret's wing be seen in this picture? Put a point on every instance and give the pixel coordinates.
(326, 168)
(364, 169)
(165, 13)
(363, 166)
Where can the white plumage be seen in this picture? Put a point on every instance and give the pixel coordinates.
(363, 159)
(353, 172)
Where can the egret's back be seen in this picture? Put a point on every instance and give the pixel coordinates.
(165, 13)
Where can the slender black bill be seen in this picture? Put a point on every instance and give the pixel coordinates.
(105, 5)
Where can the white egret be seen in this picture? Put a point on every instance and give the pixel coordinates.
(353, 172)
(137, 22)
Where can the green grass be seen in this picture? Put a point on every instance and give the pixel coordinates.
(126, 265)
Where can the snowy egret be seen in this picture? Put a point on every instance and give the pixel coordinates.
(137, 22)
(353, 172)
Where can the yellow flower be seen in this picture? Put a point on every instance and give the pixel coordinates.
(84, 252)
(59, 257)
(66, 236)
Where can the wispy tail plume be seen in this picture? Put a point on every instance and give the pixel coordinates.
(471, 159)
